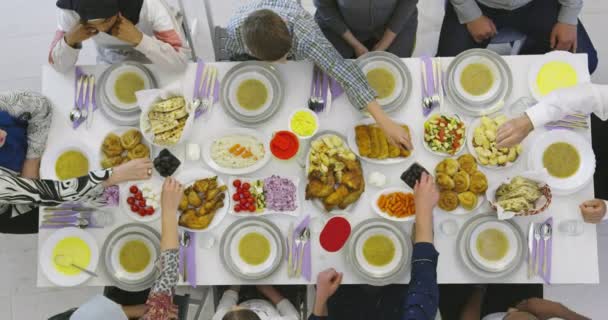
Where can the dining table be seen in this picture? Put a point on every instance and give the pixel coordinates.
(574, 258)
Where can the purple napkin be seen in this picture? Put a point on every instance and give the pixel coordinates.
(190, 254)
(204, 89)
(541, 250)
(307, 261)
(78, 101)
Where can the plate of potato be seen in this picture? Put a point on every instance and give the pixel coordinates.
(368, 141)
(482, 144)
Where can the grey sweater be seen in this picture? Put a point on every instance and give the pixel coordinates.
(364, 16)
(468, 10)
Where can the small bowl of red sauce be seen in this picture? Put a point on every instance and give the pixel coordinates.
(284, 145)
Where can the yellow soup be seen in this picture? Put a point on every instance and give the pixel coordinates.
(71, 164)
(476, 79)
(254, 248)
(561, 160)
(134, 256)
(555, 75)
(72, 249)
(492, 244)
(378, 250)
(382, 81)
(251, 94)
(126, 85)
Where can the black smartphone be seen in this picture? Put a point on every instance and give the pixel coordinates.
(413, 174)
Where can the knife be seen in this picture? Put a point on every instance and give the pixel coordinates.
(531, 250)
(290, 251)
(75, 209)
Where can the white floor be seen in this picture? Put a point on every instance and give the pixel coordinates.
(28, 27)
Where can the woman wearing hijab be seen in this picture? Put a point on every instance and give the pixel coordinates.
(355, 27)
(137, 30)
(25, 119)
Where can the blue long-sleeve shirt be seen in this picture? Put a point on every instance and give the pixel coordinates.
(422, 298)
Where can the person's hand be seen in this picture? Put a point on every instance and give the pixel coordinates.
(593, 211)
(481, 29)
(328, 282)
(79, 33)
(563, 37)
(513, 132)
(396, 134)
(137, 169)
(171, 195)
(2, 137)
(124, 30)
(386, 41)
(541, 308)
(426, 194)
(271, 293)
(360, 50)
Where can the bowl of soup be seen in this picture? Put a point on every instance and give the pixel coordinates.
(251, 94)
(477, 79)
(385, 79)
(378, 252)
(493, 246)
(253, 250)
(121, 85)
(133, 257)
(71, 163)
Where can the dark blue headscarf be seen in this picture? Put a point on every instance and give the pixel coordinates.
(13, 152)
(103, 9)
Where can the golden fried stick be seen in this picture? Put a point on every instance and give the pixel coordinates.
(383, 141)
(363, 140)
(375, 143)
(350, 199)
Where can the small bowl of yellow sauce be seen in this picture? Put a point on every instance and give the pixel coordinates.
(63, 248)
(385, 79)
(72, 163)
(477, 79)
(304, 123)
(251, 94)
(133, 257)
(493, 246)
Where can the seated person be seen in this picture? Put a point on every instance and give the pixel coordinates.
(278, 308)
(354, 27)
(504, 302)
(159, 305)
(584, 98)
(548, 25)
(138, 30)
(422, 299)
(272, 30)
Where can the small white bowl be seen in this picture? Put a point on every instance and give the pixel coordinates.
(314, 116)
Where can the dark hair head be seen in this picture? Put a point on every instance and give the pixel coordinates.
(266, 35)
(241, 314)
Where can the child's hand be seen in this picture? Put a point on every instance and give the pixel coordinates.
(171, 196)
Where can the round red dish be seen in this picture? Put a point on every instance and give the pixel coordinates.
(335, 234)
(284, 145)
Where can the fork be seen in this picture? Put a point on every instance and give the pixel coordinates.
(207, 102)
(435, 98)
(301, 242)
(315, 102)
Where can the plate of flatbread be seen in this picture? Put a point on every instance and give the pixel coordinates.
(167, 122)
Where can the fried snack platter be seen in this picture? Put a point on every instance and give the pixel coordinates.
(369, 142)
(121, 145)
(205, 202)
(462, 186)
(334, 173)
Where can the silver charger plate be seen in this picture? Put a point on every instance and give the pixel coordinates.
(404, 73)
(110, 244)
(490, 105)
(109, 110)
(228, 237)
(266, 70)
(403, 264)
(466, 256)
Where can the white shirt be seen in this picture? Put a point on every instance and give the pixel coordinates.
(264, 309)
(585, 98)
(162, 44)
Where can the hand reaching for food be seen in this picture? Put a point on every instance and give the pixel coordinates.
(513, 131)
(396, 134)
(593, 211)
(138, 169)
(426, 195)
(171, 196)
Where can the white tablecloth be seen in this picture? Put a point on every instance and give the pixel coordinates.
(575, 259)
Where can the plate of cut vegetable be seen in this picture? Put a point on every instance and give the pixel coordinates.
(444, 134)
(262, 196)
(396, 204)
(141, 201)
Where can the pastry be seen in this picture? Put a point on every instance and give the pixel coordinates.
(462, 181)
(445, 182)
(169, 104)
(363, 140)
(479, 182)
(448, 200)
(111, 145)
(448, 166)
(130, 139)
(139, 152)
(468, 200)
(467, 163)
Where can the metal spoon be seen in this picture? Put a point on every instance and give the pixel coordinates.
(184, 242)
(66, 261)
(303, 239)
(547, 232)
(75, 114)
